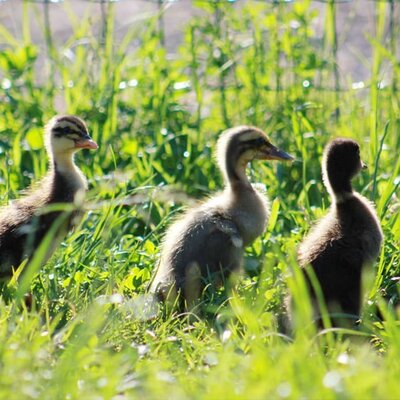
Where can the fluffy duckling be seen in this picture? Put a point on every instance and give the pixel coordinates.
(348, 238)
(25, 222)
(206, 244)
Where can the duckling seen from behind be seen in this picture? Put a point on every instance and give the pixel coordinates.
(347, 239)
(206, 244)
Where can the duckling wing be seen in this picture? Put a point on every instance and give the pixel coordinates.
(12, 239)
(208, 243)
(21, 232)
(203, 247)
(209, 252)
(212, 260)
(229, 232)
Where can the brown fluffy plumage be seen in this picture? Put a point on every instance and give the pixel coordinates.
(25, 222)
(347, 239)
(206, 244)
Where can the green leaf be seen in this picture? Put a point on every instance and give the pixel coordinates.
(34, 137)
(274, 214)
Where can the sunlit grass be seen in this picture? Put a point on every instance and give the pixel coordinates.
(156, 120)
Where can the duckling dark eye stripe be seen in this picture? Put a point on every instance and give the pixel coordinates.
(255, 142)
(59, 132)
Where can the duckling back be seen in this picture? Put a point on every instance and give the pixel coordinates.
(352, 225)
(346, 240)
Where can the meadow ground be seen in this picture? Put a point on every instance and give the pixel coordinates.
(156, 120)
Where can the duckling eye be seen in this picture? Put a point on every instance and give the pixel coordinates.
(70, 132)
(73, 135)
(65, 132)
(257, 142)
(261, 141)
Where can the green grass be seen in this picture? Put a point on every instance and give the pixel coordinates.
(156, 121)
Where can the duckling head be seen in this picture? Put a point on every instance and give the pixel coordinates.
(238, 146)
(341, 162)
(65, 135)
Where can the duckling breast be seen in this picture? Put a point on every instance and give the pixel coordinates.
(250, 212)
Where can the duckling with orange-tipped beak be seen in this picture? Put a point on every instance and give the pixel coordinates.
(25, 222)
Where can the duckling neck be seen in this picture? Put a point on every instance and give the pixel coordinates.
(339, 188)
(65, 171)
(247, 208)
(236, 175)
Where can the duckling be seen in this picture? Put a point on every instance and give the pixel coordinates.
(347, 239)
(209, 240)
(25, 222)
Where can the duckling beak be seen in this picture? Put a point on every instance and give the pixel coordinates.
(274, 153)
(86, 143)
(363, 165)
